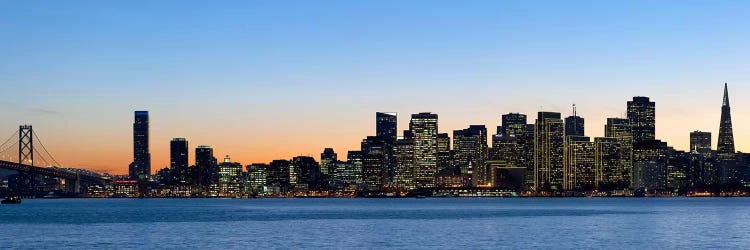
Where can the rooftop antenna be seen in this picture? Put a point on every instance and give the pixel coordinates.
(574, 109)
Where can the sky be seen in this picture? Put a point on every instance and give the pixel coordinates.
(264, 80)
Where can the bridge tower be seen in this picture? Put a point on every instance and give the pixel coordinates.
(26, 152)
(26, 145)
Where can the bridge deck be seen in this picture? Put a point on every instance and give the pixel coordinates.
(52, 172)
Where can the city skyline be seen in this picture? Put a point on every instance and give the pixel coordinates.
(276, 80)
(382, 124)
(599, 131)
(142, 117)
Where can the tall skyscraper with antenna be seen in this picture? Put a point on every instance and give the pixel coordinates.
(574, 124)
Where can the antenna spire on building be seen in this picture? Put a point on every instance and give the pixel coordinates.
(574, 109)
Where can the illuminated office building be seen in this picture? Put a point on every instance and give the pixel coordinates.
(354, 158)
(424, 130)
(307, 172)
(230, 177)
(642, 118)
(178, 160)
(326, 158)
(141, 154)
(404, 154)
(650, 160)
(574, 124)
(444, 155)
(257, 174)
(700, 142)
(206, 167)
(548, 151)
(620, 129)
(278, 175)
(608, 164)
(579, 171)
(386, 128)
(511, 120)
(470, 146)
(374, 162)
(729, 171)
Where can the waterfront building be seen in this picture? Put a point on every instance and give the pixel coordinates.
(257, 175)
(278, 176)
(230, 178)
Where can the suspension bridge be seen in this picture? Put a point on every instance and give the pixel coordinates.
(33, 171)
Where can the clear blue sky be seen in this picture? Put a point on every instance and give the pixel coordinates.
(273, 79)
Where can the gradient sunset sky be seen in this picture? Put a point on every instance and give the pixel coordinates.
(264, 80)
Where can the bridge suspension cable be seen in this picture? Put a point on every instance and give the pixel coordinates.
(9, 149)
(36, 136)
(43, 160)
(10, 153)
(14, 135)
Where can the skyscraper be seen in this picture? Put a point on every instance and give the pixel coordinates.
(608, 164)
(424, 130)
(141, 154)
(326, 158)
(178, 160)
(642, 118)
(650, 159)
(579, 163)
(700, 142)
(308, 173)
(386, 126)
(470, 146)
(728, 169)
(511, 119)
(524, 133)
(278, 175)
(374, 162)
(206, 171)
(548, 151)
(444, 156)
(354, 158)
(619, 128)
(229, 175)
(257, 175)
(574, 124)
(507, 153)
(725, 147)
(404, 154)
